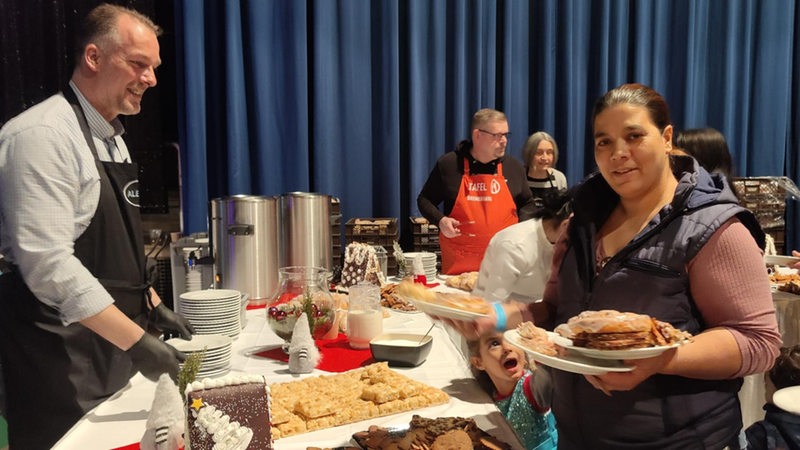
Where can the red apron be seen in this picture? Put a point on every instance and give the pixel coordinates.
(485, 201)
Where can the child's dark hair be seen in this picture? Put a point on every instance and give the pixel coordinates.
(555, 204)
(473, 345)
(786, 370)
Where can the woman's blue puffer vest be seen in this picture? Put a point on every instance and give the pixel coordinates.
(647, 276)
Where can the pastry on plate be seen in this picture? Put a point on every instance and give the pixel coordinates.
(614, 330)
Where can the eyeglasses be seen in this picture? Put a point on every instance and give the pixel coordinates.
(497, 136)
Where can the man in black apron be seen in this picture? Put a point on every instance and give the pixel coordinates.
(58, 366)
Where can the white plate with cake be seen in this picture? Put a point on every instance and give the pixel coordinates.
(781, 260)
(442, 304)
(448, 312)
(613, 335)
(569, 362)
(631, 353)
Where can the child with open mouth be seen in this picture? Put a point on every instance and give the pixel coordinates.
(522, 395)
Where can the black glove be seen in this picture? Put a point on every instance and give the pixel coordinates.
(168, 322)
(153, 357)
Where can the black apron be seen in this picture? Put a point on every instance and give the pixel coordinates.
(54, 373)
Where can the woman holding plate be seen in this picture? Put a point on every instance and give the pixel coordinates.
(656, 235)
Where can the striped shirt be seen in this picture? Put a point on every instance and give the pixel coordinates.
(49, 191)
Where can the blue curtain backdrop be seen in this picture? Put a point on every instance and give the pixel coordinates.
(357, 98)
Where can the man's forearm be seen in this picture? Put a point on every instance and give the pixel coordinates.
(115, 327)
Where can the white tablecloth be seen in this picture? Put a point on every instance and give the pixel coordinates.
(121, 420)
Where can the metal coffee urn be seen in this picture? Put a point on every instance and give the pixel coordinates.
(306, 229)
(246, 244)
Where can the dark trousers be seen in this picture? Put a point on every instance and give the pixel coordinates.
(53, 373)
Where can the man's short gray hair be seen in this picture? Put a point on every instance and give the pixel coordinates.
(486, 115)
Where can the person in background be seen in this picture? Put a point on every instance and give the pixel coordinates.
(779, 429)
(517, 262)
(709, 147)
(540, 155)
(75, 305)
(633, 244)
(521, 395)
(482, 189)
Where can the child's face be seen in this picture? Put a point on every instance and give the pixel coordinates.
(499, 359)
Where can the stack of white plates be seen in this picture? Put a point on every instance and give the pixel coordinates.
(428, 264)
(217, 360)
(213, 311)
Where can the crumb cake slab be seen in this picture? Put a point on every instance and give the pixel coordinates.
(331, 400)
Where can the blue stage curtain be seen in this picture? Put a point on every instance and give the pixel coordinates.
(357, 98)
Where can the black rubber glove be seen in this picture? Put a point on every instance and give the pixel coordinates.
(167, 321)
(153, 357)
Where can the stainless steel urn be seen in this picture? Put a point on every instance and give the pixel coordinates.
(306, 229)
(246, 244)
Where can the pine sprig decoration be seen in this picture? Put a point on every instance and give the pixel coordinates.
(190, 369)
(308, 308)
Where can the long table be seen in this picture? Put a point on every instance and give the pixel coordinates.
(120, 421)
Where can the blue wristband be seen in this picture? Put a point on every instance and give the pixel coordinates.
(501, 316)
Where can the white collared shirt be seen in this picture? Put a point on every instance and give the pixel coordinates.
(49, 191)
(516, 264)
(107, 140)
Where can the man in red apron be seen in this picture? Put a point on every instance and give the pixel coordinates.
(74, 299)
(482, 189)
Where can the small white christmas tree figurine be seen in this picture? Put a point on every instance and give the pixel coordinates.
(303, 353)
(419, 269)
(165, 424)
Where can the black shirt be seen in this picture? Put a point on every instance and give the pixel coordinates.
(445, 179)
